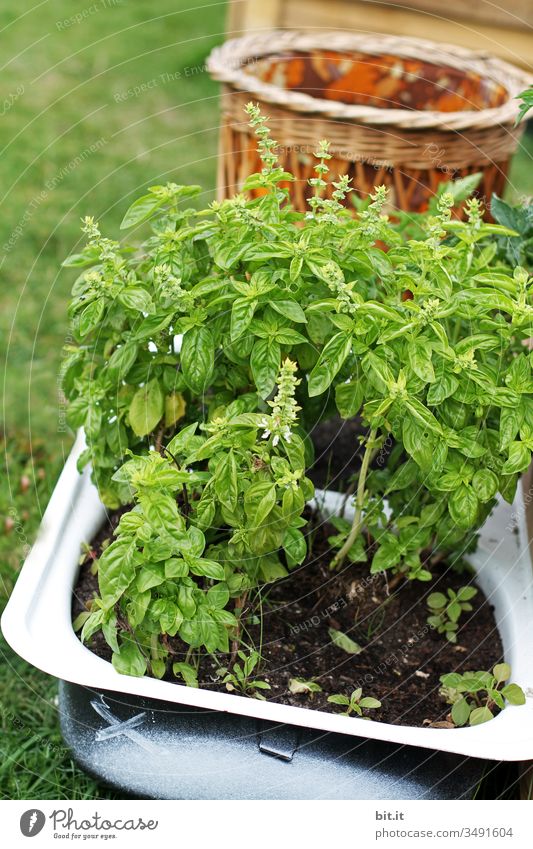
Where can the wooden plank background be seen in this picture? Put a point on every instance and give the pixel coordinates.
(477, 24)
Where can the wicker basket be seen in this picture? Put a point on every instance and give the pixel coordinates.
(397, 111)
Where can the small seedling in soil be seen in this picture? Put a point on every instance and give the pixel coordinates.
(344, 642)
(475, 696)
(187, 672)
(355, 703)
(301, 687)
(238, 678)
(80, 620)
(446, 610)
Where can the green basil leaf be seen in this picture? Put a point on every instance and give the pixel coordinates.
(509, 216)
(443, 388)
(147, 408)
(466, 593)
(198, 358)
(290, 309)
(463, 506)
(459, 189)
(485, 484)
(386, 557)
(218, 597)
(150, 576)
(271, 569)
(430, 513)
(176, 567)
(510, 423)
(480, 715)
(206, 568)
(204, 512)
(242, 312)
(518, 377)
(288, 336)
(116, 570)
(187, 672)
(299, 686)
(265, 362)
(349, 397)
(92, 624)
(329, 363)
(91, 316)
(436, 600)
(369, 703)
(454, 611)
(137, 606)
(508, 485)
(514, 694)
(295, 268)
(501, 672)
(403, 477)
(486, 299)
(152, 325)
(175, 407)
(264, 508)
(422, 415)
(479, 341)
(137, 299)
(186, 602)
(451, 679)
(468, 442)
(419, 353)
(344, 642)
(160, 510)
(93, 422)
(77, 412)
(141, 210)
(129, 660)
(339, 700)
(460, 712)
(295, 547)
(158, 667)
(426, 449)
(226, 482)
(379, 372)
(109, 630)
(519, 459)
(122, 359)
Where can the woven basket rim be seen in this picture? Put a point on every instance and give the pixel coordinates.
(225, 64)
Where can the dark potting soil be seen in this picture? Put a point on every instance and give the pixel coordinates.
(338, 453)
(401, 658)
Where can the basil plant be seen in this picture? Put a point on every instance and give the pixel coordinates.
(215, 518)
(204, 358)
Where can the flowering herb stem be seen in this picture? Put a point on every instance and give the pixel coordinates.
(357, 523)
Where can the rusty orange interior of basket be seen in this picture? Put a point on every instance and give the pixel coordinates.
(384, 81)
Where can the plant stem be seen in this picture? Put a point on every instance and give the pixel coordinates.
(239, 606)
(394, 581)
(359, 503)
(159, 438)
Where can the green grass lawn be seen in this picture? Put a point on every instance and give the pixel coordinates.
(94, 111)
(97, 101)
(34, 763)
(109, 106)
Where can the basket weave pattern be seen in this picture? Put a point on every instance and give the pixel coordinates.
(391, 117)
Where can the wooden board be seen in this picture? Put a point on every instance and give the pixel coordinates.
(506, 33)
(517, 14)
